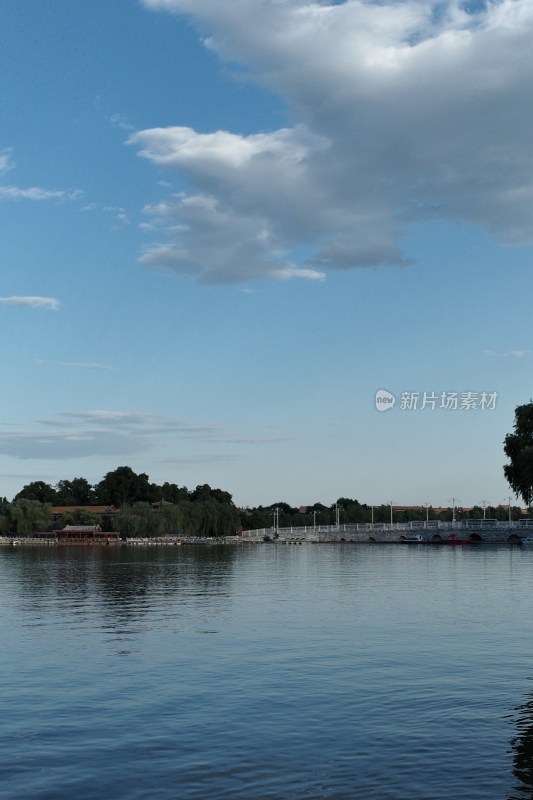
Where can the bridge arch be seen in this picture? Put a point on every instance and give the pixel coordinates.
(475, 537)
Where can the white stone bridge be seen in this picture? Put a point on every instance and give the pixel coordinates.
(430, 532)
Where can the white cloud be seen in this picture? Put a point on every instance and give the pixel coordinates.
(86, 365)
(508, 353)
(118, 213)
(34, 193)
(403, 111)
(6, 160)
(287, 273)
(217, 240)
(31, 302)
(10, 192)
(120, 121)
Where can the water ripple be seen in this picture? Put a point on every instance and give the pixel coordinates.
(262, 673)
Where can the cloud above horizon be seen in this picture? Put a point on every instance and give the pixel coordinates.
(10, 192)
(35, 193)
(87, 365)
(31, 302)
(103, 432)
(6, 160)
(93, 365)
(508, 353)
(401, 112)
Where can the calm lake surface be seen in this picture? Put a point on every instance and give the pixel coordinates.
(265, 672)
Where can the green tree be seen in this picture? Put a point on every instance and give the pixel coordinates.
(5, 524)
(39, 491)
(352, 510)
(518, 447)
(221, 496)
(172, 493)
(138, 519)
(191, 518)
(80, 517)
(202, 492)
(28, 516)
(75, 492)
(123, 486)
(170, 519)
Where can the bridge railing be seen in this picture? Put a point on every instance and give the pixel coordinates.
(310, 531)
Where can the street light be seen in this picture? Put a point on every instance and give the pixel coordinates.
(426, 506)
(453, 501)
(509, 510)
(484, 504)
(390, 503)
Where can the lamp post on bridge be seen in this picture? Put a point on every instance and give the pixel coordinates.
(453, 501)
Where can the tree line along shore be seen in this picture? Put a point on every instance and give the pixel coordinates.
(127, 502)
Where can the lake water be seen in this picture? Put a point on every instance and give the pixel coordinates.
(346, 672)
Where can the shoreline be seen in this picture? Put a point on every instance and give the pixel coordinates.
(491, 538)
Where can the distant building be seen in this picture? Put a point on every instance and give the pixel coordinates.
(84, 533)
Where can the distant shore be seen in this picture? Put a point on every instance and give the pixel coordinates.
(460, 533)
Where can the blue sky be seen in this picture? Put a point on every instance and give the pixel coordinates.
(226, 226)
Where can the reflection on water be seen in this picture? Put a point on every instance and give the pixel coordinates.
(123, 592)
(122, 576)
(260, 673)
(522, 751)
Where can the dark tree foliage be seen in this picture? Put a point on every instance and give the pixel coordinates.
(39, 491)
(146, 509)
(189, 518)
(171, 493)
(518, 447)
(80, 517)
(25, 516)
(205, 492)
(75, 492)
(123, 486)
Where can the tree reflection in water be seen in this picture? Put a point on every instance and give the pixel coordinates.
(124, 579)
(522, 750)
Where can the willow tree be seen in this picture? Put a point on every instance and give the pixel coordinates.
(28, 516)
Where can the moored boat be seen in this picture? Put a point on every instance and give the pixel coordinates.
(416, 538)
